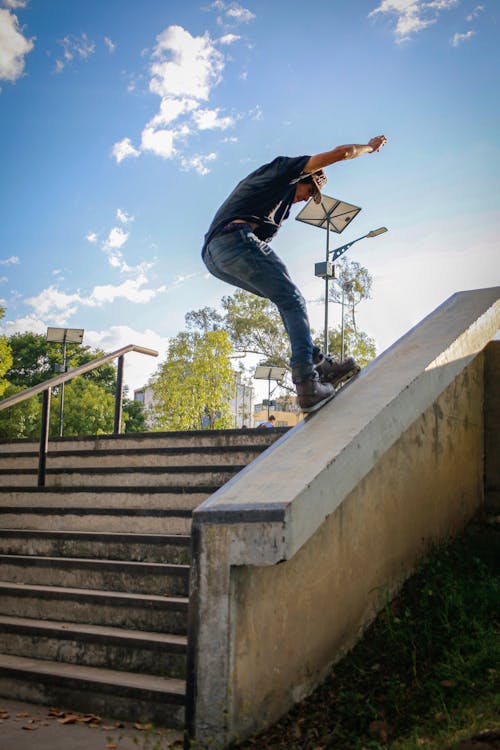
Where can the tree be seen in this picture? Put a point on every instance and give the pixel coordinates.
(34, 361)
(254, 326)
(354, 284)
(357, 344)
(22, 420)
(88, 401)
(88, 409)
(5, 358)
(193, 386)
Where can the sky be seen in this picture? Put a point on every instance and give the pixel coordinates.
(124, 125)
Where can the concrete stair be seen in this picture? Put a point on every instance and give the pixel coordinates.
(94, 567)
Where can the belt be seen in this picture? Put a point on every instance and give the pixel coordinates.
(233, 226)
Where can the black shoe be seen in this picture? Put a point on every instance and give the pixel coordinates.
(331, 371)
(312, 393)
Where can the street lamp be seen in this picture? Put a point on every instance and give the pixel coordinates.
(63, 336)
(333, 215)
(265, 372)
(327, 271)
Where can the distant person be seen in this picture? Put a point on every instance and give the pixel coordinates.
(236, 250)
(271, 422)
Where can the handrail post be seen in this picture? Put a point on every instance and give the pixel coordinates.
(44, 437)
(119, 396)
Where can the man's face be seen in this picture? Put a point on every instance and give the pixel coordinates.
(303, 192)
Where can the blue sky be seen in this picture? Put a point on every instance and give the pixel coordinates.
(123, 126)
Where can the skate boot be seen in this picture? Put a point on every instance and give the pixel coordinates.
(312, 393)
(334, 372)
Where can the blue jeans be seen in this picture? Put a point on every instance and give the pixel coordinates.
(241, 259)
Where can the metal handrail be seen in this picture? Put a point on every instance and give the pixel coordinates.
(46, 389)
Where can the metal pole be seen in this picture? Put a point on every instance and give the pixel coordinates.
(342, 328)
(44, 438)
(119, 397)
(325, 337)
(61, 402)
(268, 397)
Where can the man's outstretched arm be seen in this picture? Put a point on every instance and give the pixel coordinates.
(341, 153)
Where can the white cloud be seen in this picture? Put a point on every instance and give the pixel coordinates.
(12, 261)
(240, 14)
(198, 162)
(74, 46)
(91, 237)
(412, 15)
(123, 149)
(475, 13)
(159, 142)
(3, 279)
(138, 367)
(15, 3)
(131, 290)
(208, 119)
(109, 44)
(123, 216)
(459, 38)
(184, 71)
(13, 47)
(193, 65)
(30, 323)
(229, 39)
(55, 306)
(116, 238)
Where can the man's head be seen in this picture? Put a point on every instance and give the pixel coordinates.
(310, 187)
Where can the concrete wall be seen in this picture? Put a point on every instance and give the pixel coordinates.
(291, 620)
(492, 426)
(295, 555)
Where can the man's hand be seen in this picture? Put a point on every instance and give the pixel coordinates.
(377, 142)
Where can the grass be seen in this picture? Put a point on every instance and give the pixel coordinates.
(424, 675)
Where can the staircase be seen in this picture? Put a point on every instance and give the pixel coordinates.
(94, 567)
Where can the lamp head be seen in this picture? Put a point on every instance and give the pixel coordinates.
(375, 232)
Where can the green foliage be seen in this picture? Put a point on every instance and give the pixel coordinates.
(89, 399)
(34, 361)
(134, 419)
(193, 386)
(88, 409)
(22, 420)
(5, 358)
(357, 344)
(255, 326)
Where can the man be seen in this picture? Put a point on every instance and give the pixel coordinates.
(236, 251)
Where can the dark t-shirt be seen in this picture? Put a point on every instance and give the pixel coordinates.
(264, 197)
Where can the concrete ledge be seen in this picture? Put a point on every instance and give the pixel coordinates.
(400, 421)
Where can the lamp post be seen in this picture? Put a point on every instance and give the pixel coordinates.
(327, 271)
(63, 336)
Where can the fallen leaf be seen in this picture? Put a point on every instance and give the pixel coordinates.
(29, 727)
(111, 746)
(143, 727)
(68, 719)
(23, 715)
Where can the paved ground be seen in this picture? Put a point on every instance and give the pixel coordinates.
(24, 726)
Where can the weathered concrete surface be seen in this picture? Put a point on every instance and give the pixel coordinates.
(492, 426)
(350, 499)
(316, 604)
